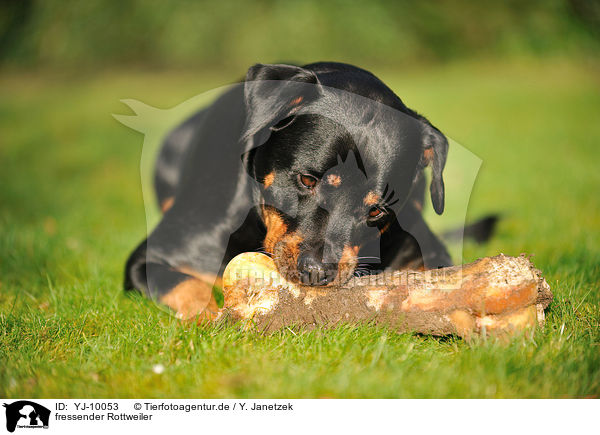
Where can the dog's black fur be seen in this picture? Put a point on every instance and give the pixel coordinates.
(315, 199)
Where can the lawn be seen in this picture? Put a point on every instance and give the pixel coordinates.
(71, 210)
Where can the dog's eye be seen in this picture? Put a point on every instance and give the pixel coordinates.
(375, 213)
(308, 181)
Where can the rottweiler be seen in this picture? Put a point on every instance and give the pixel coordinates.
(318, 166)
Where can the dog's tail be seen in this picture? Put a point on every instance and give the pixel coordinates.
(479, 231)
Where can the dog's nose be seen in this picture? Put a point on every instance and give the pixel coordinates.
(314, 272)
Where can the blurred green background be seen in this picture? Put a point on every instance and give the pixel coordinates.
(516, 83)
(237, 33)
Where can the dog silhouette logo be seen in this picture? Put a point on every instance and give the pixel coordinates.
(26, 414)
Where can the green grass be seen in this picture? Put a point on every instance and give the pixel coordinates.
(71, 210)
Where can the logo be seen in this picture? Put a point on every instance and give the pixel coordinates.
(26, 414)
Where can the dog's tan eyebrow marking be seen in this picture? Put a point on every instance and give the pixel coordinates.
(371, 199)
(268, 180)
(167, 204)
(428, 155)
(334, 180)
(296, 100)
(418, 205)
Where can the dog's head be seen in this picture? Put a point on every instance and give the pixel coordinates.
(337, 155)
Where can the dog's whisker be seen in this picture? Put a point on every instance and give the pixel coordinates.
(361, 272)
(385, 190)
(391, 195)
(263, 251)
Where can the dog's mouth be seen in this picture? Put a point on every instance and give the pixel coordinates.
(286, 254)
(285, 248)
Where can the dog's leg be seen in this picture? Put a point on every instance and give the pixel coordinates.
(433, 251)
(188, 294)
(413, 244)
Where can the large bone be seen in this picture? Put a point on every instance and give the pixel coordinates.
(492, 295)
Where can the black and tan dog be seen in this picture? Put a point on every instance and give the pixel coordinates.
(315, 165)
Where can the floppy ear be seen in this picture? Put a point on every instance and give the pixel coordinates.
(275, 92)
(435, 151)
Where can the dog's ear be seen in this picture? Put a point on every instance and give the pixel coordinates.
(435, 152)
(275, 92)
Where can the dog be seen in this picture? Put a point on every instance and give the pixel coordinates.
(314, 165)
